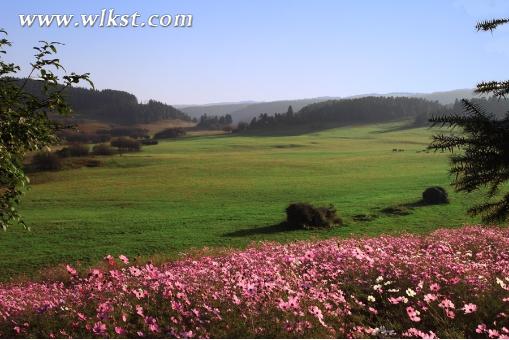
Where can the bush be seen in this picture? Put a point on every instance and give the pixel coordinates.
(78, 150)
(306, 216)
(170, 133)
(102, 150)
(126, 144)
(74, 150)
(435, 195)
(149, 142)
(46, 161)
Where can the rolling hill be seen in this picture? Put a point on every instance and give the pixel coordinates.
(246, 111)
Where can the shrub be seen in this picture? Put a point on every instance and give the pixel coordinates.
(435, 195)
(149, 142)
(126, 144)
(170, 133)
(304, 215)
(46, 161)
(102, 150)
(78, 150)
(74, 150)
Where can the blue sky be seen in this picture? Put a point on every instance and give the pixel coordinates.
(275, 49)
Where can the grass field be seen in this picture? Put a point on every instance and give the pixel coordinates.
(227, 191)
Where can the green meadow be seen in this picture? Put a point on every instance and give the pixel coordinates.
(228, 191)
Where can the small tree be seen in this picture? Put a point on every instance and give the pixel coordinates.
(24, 119)
(484, 145)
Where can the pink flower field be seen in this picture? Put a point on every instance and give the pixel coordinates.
(451, 283)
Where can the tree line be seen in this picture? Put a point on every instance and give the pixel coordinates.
(111, 106)
(335, 113)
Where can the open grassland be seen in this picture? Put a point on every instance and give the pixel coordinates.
(228, 191)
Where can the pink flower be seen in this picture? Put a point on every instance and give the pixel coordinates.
(434, 287)
(119, 330)
(124, 259)
(450, 313)
(428, 298)
(493, 333)
(134, 271)
(413, 314)
(469, 308)
(316, 312)
(480, 328)
(446, 303)
(99, 328)
(71, 270)
(96, 273)
(110, 260)
(139, 310)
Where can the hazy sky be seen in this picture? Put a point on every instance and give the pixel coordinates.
(275, 49)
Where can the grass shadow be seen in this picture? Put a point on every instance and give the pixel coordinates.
(404, 208)
(270, 229)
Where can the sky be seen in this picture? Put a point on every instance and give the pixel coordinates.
(268, 50)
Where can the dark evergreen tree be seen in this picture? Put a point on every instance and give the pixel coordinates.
(289, 113)
(483, 145)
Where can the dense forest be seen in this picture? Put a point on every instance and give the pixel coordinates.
(113, 106)
(335, 113)
(498, 107)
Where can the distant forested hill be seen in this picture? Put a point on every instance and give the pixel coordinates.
(244, 112)
(113, 106)
(495, 106)
(334, 113)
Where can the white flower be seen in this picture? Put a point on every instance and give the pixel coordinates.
(371, 298)
(377, 287)
(501, 283)
(410, 292)
(405, 300)
(379, 279)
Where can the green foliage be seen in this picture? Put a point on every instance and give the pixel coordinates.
(484, 144)
(484, 160)
(24, 118)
